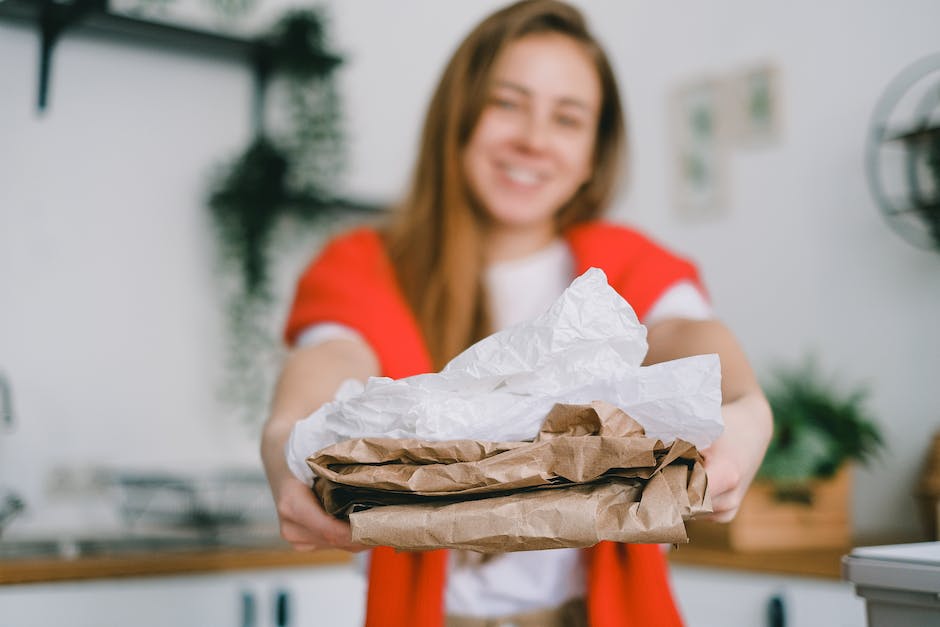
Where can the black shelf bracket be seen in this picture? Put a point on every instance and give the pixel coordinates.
(94, 17)
(53, 19)
(262, 67)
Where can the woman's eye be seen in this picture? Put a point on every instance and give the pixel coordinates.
(504, 103)
(569, 121)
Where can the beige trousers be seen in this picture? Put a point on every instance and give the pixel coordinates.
(571, 614)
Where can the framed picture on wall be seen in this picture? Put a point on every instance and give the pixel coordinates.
(698, 149)
(754, 106)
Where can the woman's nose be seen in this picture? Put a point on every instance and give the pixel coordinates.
(535, 133)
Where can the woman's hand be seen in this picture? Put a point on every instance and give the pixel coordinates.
(309, 378)
(305, 524)
(733, 459)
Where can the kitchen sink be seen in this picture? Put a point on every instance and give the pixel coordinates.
(22, 549)
(163, 513)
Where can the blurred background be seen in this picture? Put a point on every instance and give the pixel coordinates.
(115, 334)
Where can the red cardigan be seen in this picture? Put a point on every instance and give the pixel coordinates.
(353, 283)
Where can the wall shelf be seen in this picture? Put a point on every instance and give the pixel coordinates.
(93, 17)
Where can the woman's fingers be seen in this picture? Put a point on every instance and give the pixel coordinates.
(306, 525)
(734, 458)
(724, 486)
(724, 508)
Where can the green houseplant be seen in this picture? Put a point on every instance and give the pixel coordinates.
(280, 190)
(286, 175)
(817, 429)
(801, 496)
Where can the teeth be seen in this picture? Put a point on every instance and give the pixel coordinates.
(522, 176)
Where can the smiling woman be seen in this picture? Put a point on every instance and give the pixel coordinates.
(507, 105)
(520, 153)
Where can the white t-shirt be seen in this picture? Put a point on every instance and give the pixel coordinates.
(526, 581)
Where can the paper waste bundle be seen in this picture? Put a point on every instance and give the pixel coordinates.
(506, 449)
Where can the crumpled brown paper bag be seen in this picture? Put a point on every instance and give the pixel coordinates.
(589, 475)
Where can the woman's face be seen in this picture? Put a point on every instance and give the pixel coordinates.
(533, 145)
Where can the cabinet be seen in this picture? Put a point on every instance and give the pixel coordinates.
(289, 597)
(333, 595)
(712, 597)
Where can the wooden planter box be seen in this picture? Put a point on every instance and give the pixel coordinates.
(928, 491)
(819, 519)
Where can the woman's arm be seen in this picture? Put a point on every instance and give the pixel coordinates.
(309, 378)
(733, 459)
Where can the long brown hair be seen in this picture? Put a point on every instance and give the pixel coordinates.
(436, 240)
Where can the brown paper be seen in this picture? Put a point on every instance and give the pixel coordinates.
(589, 475)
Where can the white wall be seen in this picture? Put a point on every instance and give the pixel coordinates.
(110, 323)
(110, 317)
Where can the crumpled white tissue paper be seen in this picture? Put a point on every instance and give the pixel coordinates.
(588, 346)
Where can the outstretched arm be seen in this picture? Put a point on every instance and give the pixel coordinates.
(309, 378)
(733, 459)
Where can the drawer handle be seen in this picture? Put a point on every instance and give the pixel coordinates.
(282, 609)
(776, 612)
(249, 612)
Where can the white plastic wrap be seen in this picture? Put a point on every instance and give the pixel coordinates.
(588, 346)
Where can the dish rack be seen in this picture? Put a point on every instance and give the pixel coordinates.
(208, 503)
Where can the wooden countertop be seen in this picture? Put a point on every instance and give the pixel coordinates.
(817, 563)
(826, 563)
(821, 562)
(19, 571)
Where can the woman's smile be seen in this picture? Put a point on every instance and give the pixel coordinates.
(522, 177)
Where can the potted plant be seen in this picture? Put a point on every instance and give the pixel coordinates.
(801, 496)
(283, 185)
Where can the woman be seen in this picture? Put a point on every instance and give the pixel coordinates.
(520, 152)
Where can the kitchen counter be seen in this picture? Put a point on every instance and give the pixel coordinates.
(140, 564)
(823, 563)
(819, 563)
